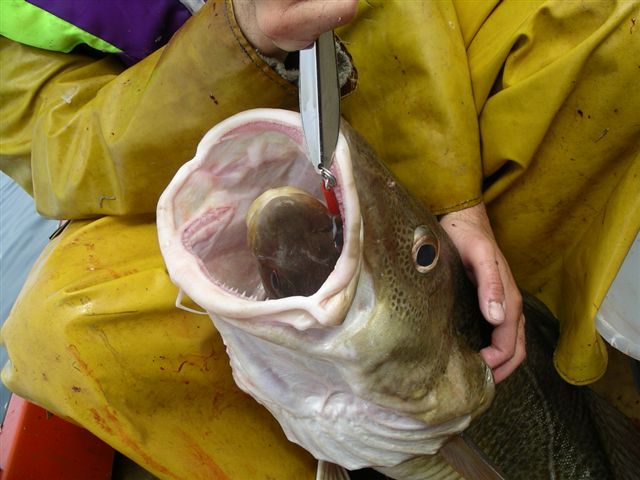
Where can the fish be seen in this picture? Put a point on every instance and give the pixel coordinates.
(378, 365)
(541, 438)
(290, 268)
(540, 426)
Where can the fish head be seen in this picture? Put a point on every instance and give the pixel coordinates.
(377, 364)
(426, 318)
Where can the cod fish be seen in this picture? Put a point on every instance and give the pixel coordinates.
(379, 365)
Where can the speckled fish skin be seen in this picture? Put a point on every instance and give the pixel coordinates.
(539, 426)
(438, 307)
(390, 218)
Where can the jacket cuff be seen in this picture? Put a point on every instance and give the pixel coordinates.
(256, 58)
(289, 69)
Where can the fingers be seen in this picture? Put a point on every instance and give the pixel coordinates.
(278, 26)
(490, 280)
(501, 304)
(515, 351)
(294, 24)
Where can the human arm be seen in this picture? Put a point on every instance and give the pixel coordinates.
(280, 26)
(89, 137)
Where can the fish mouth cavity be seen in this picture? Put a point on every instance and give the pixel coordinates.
(201, 215)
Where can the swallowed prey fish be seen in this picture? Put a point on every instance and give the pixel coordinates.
(378, 366)
(295, 240)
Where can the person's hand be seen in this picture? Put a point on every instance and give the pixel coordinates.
(275, 27)
(498, 294)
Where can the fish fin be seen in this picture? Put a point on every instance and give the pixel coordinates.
(427, 467)
(619, 437)
(468, 460)
(331, 471)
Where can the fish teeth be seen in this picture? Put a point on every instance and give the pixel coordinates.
(236, 291)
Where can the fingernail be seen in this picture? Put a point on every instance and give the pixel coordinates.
(496, 311)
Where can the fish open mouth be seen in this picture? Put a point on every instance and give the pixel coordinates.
(202, 214)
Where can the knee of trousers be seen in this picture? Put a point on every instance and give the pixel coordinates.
(95, 337)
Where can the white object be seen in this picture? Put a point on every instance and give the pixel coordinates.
(618, 320)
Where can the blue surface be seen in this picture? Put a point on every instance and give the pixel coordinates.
(23, 235)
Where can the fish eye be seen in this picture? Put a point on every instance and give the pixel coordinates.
(426, 255)
(425, 250)
(275, 280)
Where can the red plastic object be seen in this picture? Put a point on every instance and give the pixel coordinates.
(35, 445)
(332, 201)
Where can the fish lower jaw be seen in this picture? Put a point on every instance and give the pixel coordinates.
(462, 392)
(489, 393)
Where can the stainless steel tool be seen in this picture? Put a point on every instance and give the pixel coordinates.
(320, 103)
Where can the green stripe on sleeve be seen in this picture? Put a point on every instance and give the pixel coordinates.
(25, 23)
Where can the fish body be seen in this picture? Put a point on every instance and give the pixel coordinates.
(539, 426)
(378, 367)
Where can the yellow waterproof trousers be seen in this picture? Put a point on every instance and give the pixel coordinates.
(101, 343)
(531, 106)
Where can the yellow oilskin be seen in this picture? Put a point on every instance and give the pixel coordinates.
(555, 86)
(414, 102)
(531, 106)
(101, 140)
(107, 348)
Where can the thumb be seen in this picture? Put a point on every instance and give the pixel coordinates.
(491, 295)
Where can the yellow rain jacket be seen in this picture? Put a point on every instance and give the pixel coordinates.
(532, 106)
